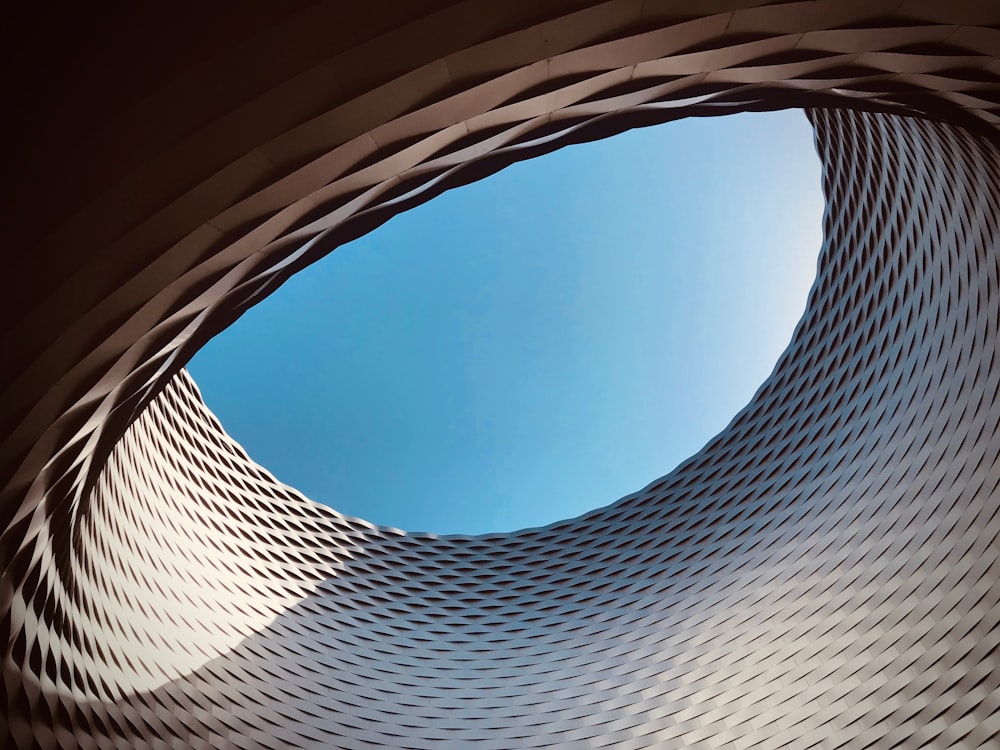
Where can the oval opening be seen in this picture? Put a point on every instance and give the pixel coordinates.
(538, 344)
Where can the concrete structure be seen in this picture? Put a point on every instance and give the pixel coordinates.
(825, 573)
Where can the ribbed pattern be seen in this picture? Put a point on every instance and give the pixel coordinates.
(823, 574)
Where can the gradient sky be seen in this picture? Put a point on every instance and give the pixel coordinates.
(538, 344)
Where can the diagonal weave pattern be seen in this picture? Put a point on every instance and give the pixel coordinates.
(823, 574)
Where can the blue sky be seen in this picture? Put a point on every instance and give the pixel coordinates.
(540, 343)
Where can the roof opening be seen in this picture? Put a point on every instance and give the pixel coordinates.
(537, 344)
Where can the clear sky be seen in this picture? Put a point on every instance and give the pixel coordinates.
(537, 344)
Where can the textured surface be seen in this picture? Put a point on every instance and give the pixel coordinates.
(823, 574)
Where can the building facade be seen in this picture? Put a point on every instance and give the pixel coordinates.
(824, 573)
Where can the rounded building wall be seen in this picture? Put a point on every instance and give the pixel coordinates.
(823, 573)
